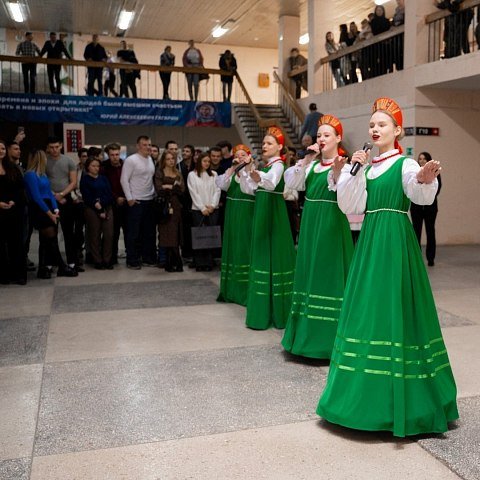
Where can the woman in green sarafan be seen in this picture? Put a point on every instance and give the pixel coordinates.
(237, 232)
(325, 249)
(389, 368)
(272, 260)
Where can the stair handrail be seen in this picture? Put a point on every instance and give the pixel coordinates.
(290, 100)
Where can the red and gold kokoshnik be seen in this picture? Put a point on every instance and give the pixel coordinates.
(277, 133)
(243, 147)
(389, 106)
(333, 121)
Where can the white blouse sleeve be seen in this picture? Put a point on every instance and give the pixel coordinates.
(419, 193)
(217, 192)
(352, 192)
(194, 190)
(247, 185)
(223, 181)
(269, 180)
(295, 177)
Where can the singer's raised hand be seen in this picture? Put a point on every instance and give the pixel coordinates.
(429, 172)
(255, 176)
(312, 152)
(338, 164)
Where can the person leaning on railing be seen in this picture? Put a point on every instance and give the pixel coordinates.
(382, 55)
(365, 55)
(331, 47)
(455, 34)
(167, 59)
(28, 49)
(94, 52)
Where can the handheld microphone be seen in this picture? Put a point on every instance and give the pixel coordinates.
(243, 165)
(356, 166)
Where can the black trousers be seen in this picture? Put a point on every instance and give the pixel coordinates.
(427, 214)
(79, 230)
(53, 72)
(67, 222)
(29, 71)
(127, 81)
(165, 77)
(94, 75)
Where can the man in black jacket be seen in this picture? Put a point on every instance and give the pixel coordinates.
(94, 52)
(127, 76)
(54, 49)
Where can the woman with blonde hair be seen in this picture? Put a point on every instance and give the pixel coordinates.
(169, 187)
(44, 215)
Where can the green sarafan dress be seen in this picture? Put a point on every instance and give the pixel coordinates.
(272, 261)
(325, 249)
(389, 368)
(237, 237)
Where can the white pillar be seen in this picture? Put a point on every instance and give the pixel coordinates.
(320, 13)
(289, 32)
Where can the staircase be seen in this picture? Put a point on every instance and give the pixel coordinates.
(250, 131)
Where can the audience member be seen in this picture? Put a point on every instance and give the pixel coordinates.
(296, 61)
(382, 55)
(94, 52)
(172, 147)
(13, 264)
(345, 64)
(137, 183)
(228, 63)
(455, 34)
(155, 153)
(14, 153)
(427, 214)
(112, 169)
(350, 40)
(54, 49)
(127, 75)
(186, 166)
(170, 187)
(205, 197)
(167, 59)
(307, 140)
(44, 215)
(332, 47)
(215, 154)
(227, 155)
(29, 70)
(110, 77)
(98, 199)
(62, 175)
(78, 208)
(192, 58)
(310, 124)
(365, 60)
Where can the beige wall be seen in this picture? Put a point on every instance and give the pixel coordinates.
(251, 62)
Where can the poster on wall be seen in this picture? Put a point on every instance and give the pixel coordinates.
(73, 138)
(23, 108)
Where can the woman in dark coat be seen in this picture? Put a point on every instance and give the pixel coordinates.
(228, 63)
(13, 266)
(170, 186)
(382, 54)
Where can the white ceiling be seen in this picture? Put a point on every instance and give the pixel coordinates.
(256, 21)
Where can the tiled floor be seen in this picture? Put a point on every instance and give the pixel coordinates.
(142, 375)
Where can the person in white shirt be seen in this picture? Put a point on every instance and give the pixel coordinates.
(205, 199)
(137, 183)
